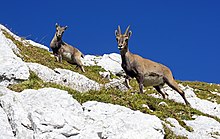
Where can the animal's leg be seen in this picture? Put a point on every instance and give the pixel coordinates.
(140, 80)
(60, 58)
(127, 80)
(172, 83)
(82, 68)
(79, 63)
(158, 88)
(56, 57)
(60, 52)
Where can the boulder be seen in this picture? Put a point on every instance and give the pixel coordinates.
(203, 127)
(5, 127)
(117, 122)
(64, 77)
(12, 68)
(117, 84)
(53, 113)
(110, 62)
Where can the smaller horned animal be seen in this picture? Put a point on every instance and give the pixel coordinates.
(146, 72)
(62, 50)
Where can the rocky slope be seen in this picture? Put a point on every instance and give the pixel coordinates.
(53, 100)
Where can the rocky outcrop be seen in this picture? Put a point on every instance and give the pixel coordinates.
(203, 127)
(205, 106)
(24, 41)
(109, 62)
(117, 84)
(13, 69)
(64, 77)
(53, 113)
(5, 127)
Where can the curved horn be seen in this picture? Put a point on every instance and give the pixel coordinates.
(119, 29)
(126, 32)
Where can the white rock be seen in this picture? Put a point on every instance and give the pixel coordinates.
(162, 104)
(216, 93)
(118, 122)
(110, 62)
(12, 68)
(117, 83)
(203, 127)
(53, 113)
(16, 114)
(105, 74)
(91, 60)
(64, 77)
(35, 44)
(25, 42)
(37, 113)
(5, 128)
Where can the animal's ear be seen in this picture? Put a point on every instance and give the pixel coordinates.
(65, 27)
(56, 25)
(129, 34)
(116, 33)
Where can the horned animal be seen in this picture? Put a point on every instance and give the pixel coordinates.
(62, 50)
(146, 72)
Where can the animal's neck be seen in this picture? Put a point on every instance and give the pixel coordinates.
(57, 39)
(124, 54)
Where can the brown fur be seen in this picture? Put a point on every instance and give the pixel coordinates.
(62, 50)
(146, 72)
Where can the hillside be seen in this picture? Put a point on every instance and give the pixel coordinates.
(41, 98)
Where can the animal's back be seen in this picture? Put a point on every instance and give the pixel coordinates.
(153, 72)
(150, 66)
(70, 53)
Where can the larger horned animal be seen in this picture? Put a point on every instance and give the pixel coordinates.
(62, 50)
(146, 72)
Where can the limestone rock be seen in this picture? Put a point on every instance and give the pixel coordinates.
(53, 113)
(5, 127)
(203, 127)
(64, 77)
(118, 122)
(12, 68)
(117, 84)
(110, 62)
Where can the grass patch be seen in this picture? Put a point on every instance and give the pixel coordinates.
(34, 54)
(203, 90)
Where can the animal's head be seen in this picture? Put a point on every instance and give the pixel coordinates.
(122, 39)
(60, 30)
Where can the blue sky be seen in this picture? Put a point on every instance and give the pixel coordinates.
(181, 34)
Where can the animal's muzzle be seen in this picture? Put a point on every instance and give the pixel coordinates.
(119, 47)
